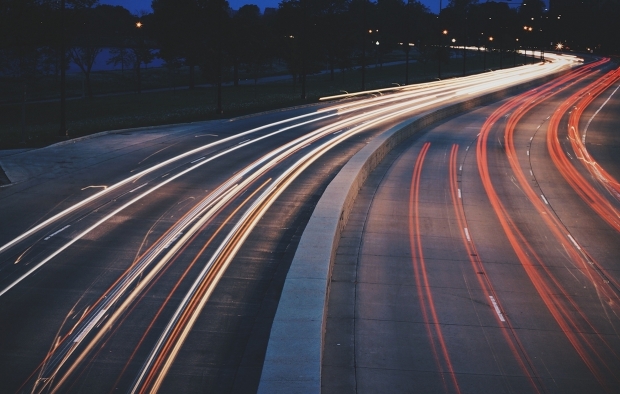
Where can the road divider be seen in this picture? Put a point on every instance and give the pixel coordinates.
(294, 353)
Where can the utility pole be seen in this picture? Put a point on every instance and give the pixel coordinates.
(62, 132)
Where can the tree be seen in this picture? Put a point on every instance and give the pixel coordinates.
(180, 32)
(121, 55)
(86, 40)
(247, 43)
(25, 45)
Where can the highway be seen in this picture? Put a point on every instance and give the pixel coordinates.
(146, 261)
(482, 255)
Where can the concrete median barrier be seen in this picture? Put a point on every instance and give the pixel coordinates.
(293, 359)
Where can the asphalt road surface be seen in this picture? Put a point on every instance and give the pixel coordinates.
(476, 260)
(153, 260)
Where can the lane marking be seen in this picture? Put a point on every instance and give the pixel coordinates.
(544, 199)
(197, 160)
(528, 152)
(139, 187)
(94, 186)
(467, 235)
(62, 229)
(243, 142)
(574, 242)
(496, 307)
(459, 193)
(583, 139)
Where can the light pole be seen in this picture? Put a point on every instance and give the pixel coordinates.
(514, 60)
(440, 52)
(485, 51)
(139, 57)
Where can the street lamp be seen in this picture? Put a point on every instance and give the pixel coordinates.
(139, 56)
(440, 51)
(485, 52)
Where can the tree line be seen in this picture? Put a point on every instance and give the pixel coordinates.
(206, 36)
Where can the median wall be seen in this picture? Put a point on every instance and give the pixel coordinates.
(294, 353)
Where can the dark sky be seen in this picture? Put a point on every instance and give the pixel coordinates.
(139, 5)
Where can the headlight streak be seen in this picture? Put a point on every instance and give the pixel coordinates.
(85, 325)
(560, 61)
(308, 160)
(364, 121)
(120, 287)
(222, 258)
(147, 171)
(170, 179)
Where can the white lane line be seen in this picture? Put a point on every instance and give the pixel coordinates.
(139, 187)
(544, 199)
(90, 325)
(531, 173)
(197, 160)
(467, 235)
(243, 142)
(585, 130)
(496, 307)
(528, 152)
(459, 193)
(466, 148)
(461, 168)
(573, 241)
(94, 186)
(51, 235)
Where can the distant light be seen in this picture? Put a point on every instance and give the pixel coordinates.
(138, 24)
(559, 46)
(377, 43)
(454, 40)
(490, 38)
(445, 32)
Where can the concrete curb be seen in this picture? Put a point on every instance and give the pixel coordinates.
(294, 352)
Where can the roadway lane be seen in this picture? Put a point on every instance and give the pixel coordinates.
(229, 341)
(103, 287)
(429, 291)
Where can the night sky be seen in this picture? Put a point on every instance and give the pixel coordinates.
(135, 6)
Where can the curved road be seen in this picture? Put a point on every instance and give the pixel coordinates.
(482, 255)
(153, 260)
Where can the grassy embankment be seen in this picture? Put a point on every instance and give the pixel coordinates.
(115, 106)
